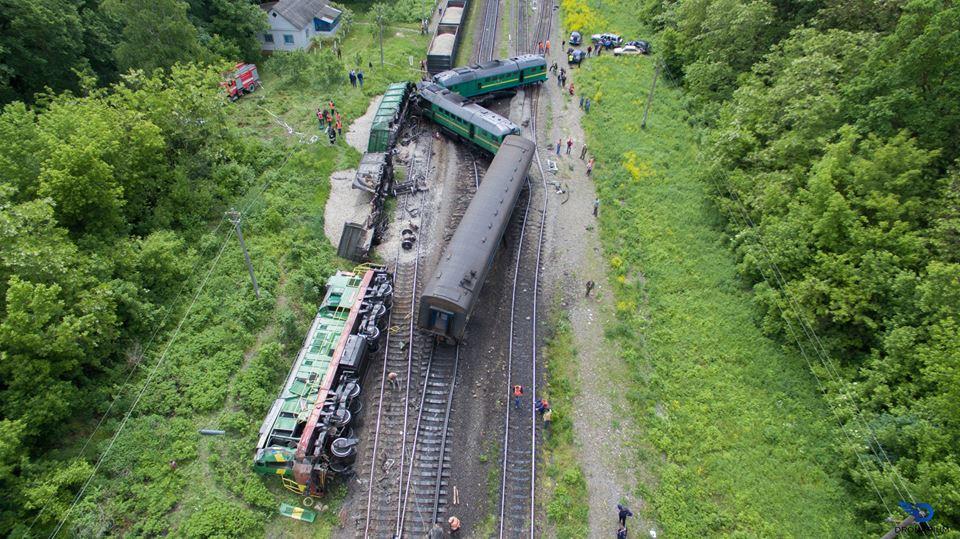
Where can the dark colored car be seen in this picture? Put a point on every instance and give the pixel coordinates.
(575, 38)
(575, 56)
(644, 46)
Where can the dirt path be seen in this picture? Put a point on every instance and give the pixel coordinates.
(601, 423)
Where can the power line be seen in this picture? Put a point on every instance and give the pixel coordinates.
(819, 349)
(143, 390)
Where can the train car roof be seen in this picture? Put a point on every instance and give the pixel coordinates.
(492, 68)
(453, 103)
(463, 260)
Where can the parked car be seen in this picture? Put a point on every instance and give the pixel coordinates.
(575, 56)
(627, 50)
(575, 38)
(607, 40)
(642, 45)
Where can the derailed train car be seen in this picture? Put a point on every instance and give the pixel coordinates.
(451, 294)
(495, 76)
(307, 437)
(468, 121)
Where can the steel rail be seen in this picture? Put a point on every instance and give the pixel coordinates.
(383, 378)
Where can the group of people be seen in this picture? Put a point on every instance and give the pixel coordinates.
(543, 47)
(330, 121)
(541, 405)
(356, 77)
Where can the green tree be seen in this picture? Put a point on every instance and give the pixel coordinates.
(156, 33)
(39, 45)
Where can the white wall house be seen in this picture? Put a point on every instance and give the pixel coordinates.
(294, 22)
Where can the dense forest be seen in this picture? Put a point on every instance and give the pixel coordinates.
(833, 145)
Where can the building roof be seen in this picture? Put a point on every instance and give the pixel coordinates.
(301, 12)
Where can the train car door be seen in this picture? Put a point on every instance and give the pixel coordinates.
(440, 321)
(521, 76)
(473, 131)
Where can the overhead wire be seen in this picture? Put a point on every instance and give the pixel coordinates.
(896, 479)
(143, 389)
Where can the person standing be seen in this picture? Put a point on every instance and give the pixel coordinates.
(586, 105)
(320, 118)
(583, 152)
(589, 167)
(559, 143)
(589, 289)
(596, 206)
(360, 78)
(339, 127)
(517, 396)
(332, 134)
(353, 78)
(546, 46)
(547, 419)
(569, 145)
(622, 514)
(589, 50)
(581, 101)
(394, 381)
(571, 88)
(339, 54)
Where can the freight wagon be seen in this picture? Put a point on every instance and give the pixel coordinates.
(307, 437)
(443, 47)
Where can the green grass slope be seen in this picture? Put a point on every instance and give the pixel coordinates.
(735, 437)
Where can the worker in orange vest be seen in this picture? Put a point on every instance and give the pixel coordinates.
(517, 395)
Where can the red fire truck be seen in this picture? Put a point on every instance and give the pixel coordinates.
(243, 80)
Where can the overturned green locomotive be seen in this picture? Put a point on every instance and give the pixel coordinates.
(307, 437)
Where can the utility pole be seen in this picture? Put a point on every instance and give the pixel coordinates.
(907, 523)
(234, 217)
(646, 109)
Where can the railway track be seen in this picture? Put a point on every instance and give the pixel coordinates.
(483, 51)
(518, 510)
(427, 488)
(404, 352)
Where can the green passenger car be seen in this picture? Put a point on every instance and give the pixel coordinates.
(468, 121)
(494, 76)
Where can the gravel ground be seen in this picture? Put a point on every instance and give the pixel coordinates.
(358, 133)
(344, 204)
(574, 256)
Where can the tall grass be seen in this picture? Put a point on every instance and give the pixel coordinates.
(731, 426)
